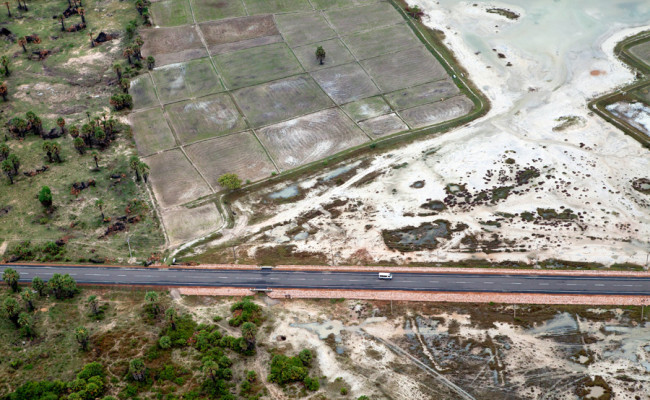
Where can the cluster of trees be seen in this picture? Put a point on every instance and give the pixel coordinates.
(139, 168)
(89, 384)
(62, 286)
(286, 369)
(9, 162)
(143, 9)
(32, 123)
(98, 132)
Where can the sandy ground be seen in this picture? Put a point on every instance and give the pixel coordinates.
(586, 167)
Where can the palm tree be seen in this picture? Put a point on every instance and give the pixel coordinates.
(96, 158)
(82, 336)
(125, 84)
(22, 42)
(74, 131)
(15, 163)
(56, 150)
(137, 369)
(152, 300)
(134, 163)
(128, 52)
(249, 331)
(151, 62)
(11, 277)
(82, 13)
(61, 123)
(28, 298)
(8, 169)
(93, 304)
(118, 70)
(211, 369)
(79, 144)
(99, 203)
(320, 54)
(100, 136)
(62, 17)
(11, 309)
(38, 285)
(171, 315)
(47, 148)
(4, 60)
(6, 3)
(4, 151)
(26, 324)
(143, 168)
(4, 91)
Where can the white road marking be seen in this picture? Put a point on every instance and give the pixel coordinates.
(95, 274)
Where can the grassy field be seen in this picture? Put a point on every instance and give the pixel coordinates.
(422, 94)
(363, 17)
(74, 81)
(195, 78)
(367, 108)
(154, 134)
(171, 12)
(337, 54)
(275, 6)
(381, 41)
(383, 125)
(143, 92)
(346, 83)
(300, 29)
(208, 10)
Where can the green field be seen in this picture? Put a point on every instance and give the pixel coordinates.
(365, 17)
(257, 65)
(205, 117)
(186, 80)
(275, 6)
(367, 108)
(143, 92)
(422, 94)
(336, 54)
(154, 134)
(171, 12)
(300, 29)
(381, 41)
(279, 100)
(346, 83)
(209, 10)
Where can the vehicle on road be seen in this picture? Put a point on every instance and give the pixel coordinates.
(385, 275)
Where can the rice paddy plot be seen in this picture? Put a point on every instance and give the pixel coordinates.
(434, 113)
(183, 224)
(383, 125)
(205, 117)
(366, 108)
(335, 54)
(327, 4)
(642, 52)
(239, 33)
(186, 80)
(142, 92)
(380, 41)
(210, 10)
(276, 6)
(279, 100)
(239, 153)
(404, 69)
(152, 134)
(172, 45)
(423, 94)
(171, 12)
(643, 94)
(310, 138)
(257, 65)
(350, 20)
(174, 179)
(299, 29)
(346, 83)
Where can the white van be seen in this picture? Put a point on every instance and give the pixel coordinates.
(385, 275)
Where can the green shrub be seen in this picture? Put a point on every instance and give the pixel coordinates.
(306, 357)
(165, 342)
(91, 370)
(344, 391)
(312, 384)
(286, 369)
(185, 328)
(245, 311)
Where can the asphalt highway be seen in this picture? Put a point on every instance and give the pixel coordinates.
(271, 279)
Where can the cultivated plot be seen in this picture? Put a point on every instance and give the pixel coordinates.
(172, 45)
(186, 80)
(209, 10)
(151, 132)
(142, 92)
(381, 41)
(205, 118)
(256, 65)
(327, 4)
(299, 29)
(276, 6)
(404, 69)
(279, 100)
(366, 108)
(240, 33)
(423, 94)
(642, 51)
(171, 12)
(238, 153)
(183, 224)
(335, 50)
(346, 83)
(310, 138)
(365, 17)
(383, 125)
(434, 113)
(174, 179)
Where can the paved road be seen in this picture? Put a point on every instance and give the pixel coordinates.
(263, 279)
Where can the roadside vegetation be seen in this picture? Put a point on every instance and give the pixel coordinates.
(71, 189)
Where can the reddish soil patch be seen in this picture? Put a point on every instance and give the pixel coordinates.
(597, 72)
